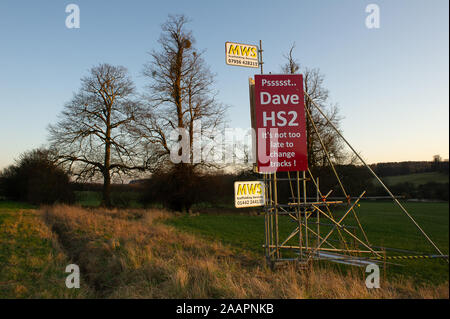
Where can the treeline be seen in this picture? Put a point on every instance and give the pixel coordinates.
(428, 191)
(37, 179)
(218, 189)
(404, 168)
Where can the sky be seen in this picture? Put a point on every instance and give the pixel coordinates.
(391, 83)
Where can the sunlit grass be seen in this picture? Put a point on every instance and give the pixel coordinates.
(31, 263)
(130, 253)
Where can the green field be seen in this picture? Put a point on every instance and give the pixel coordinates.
(31, 263)
(119, 199)
(10, 205)
(416, 179)
(385, 224)
(88, 198)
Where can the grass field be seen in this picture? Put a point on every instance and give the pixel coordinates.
(383, 222)
(122, 199)
(136, 253)
(31, 262)
(88, 198)
(416, 179)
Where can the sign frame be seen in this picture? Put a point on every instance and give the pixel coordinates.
(280, 123)
(239, 59)
(254, 194)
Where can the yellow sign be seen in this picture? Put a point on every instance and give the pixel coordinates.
(241, 54)
(248, 194)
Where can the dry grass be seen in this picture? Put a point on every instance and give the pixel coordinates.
(127, 254)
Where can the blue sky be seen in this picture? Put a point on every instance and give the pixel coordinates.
(391, 83)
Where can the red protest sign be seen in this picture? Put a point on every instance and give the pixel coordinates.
(280, 123)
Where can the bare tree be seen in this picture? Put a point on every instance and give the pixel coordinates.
(180, 92)
(180, 95)
(313, 85)
(91, 137)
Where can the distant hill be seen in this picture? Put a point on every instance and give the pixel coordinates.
(417, 178)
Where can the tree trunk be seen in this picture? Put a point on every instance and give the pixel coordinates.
(106, 198)
(106, 201)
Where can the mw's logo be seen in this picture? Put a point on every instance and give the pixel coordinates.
(249, 189)
(242, 50)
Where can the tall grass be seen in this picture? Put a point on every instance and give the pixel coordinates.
(130, 254)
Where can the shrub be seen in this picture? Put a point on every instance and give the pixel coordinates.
(177, 188)
(433, 190)
(36, 179)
